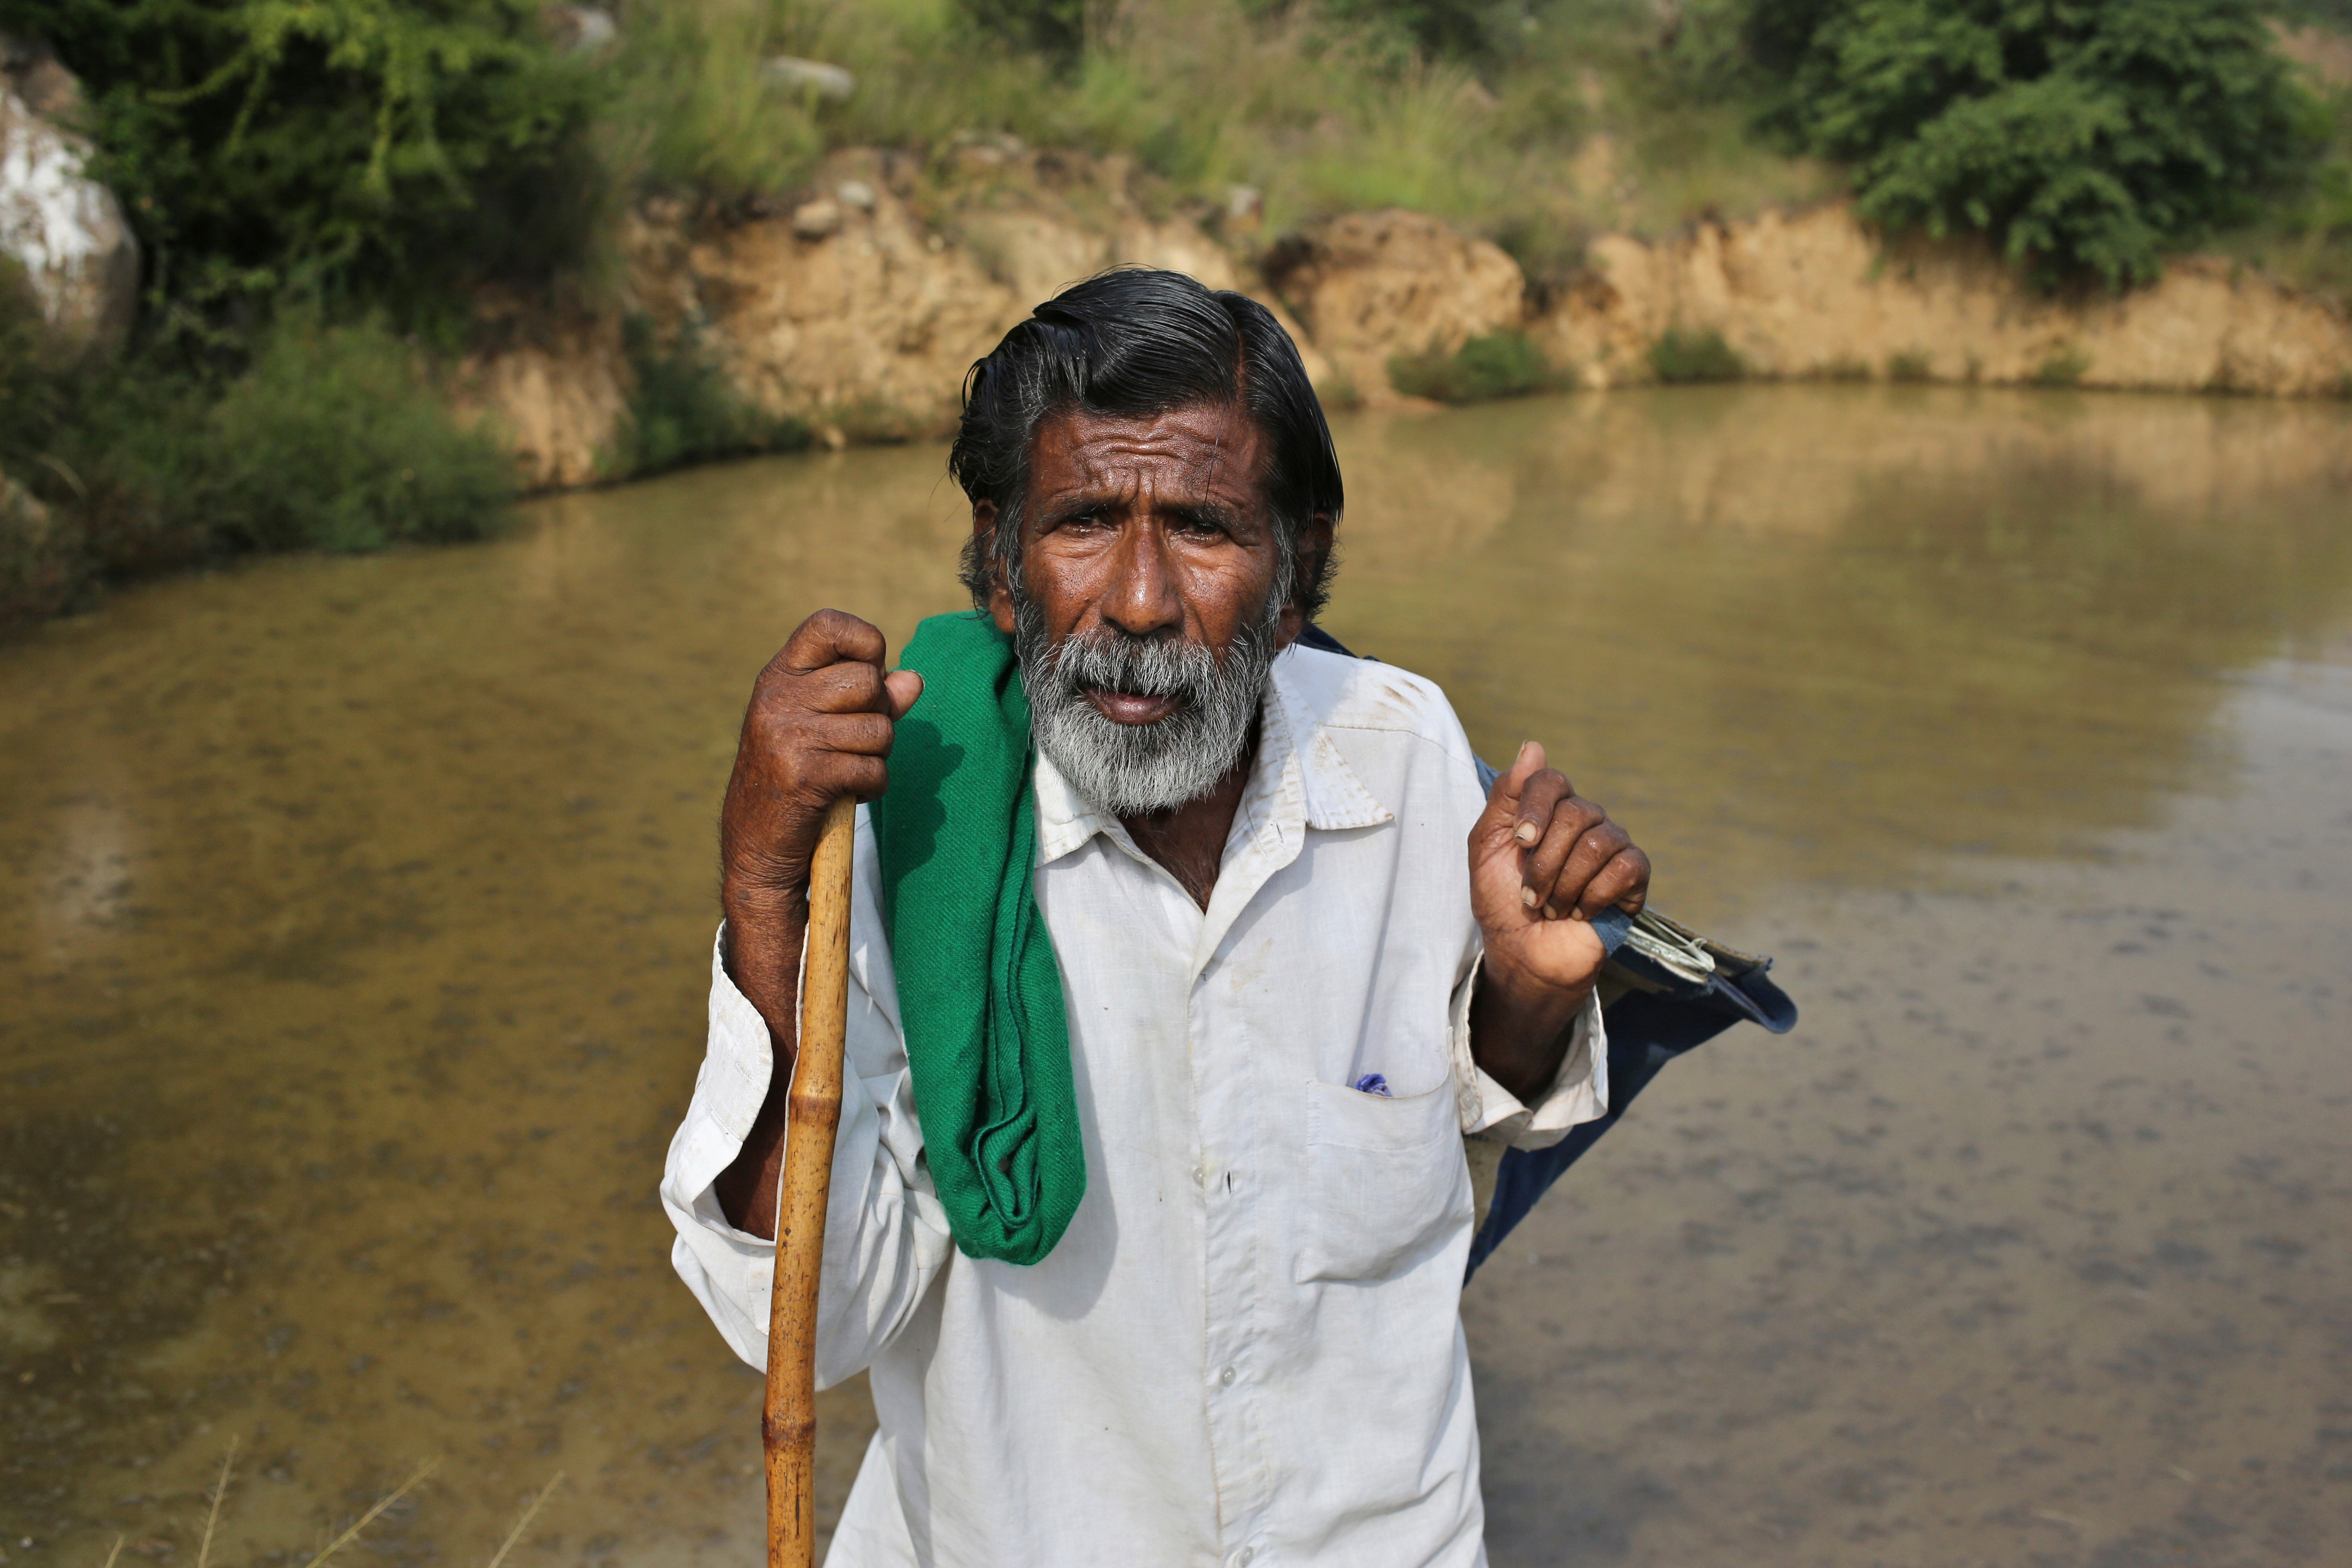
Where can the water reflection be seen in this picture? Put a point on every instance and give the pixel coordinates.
(353, 915)
(1843, 627)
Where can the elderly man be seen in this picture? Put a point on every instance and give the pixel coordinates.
(1183, 957)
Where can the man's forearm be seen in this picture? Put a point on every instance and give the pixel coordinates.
(1520, 1035)
(762, 953)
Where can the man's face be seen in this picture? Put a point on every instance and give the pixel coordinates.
(1145, 603)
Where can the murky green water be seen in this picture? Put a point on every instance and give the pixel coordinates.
(353, 918)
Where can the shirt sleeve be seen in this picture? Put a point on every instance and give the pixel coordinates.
(886, 1237)
(1579, 1091)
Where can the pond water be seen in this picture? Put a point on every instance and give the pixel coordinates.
(355, 913)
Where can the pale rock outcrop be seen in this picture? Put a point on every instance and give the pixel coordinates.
(1368, 287)
(845, 308)
(554, 393)
(1816, 293)
(64, 228)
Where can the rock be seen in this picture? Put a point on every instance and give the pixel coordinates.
(819, 219)
(855, 194)
(65, 230)
(1372, 286)
(788, 74)
(2326, 53)
(37, 76)
(581, 29)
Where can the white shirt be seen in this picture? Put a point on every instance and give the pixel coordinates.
(1247, 1347)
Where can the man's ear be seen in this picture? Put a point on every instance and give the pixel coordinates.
(983, 539)
(1314, 549)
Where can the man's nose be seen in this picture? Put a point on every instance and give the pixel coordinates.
(1143, 598)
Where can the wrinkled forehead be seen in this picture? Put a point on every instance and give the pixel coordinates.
(1198, 453)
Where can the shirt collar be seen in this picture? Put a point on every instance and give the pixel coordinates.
(1300, 779)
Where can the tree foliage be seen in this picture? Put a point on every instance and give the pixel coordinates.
(377, 149)
(2086, 136)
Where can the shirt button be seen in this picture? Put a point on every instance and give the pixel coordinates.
(1247, 1552)
(1199, 1177)
(1226, 1377)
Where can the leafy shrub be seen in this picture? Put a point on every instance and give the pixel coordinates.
(382, 148)
(2085, 137)
(1502, 365)
(684, 410)
(40, 569)
(1681, 356)
(332, 441)
(1907, 367)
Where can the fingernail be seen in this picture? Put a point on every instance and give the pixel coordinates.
(1550, 913)
(1576, 914)
(1527, 896)
(1524, 747)
(1527, 834)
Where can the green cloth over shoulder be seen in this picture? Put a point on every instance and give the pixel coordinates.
(980, 994)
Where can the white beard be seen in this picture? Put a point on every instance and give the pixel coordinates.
(1135, 770)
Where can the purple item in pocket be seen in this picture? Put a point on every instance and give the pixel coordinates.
(1373, 1083)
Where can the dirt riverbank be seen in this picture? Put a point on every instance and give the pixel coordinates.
(858, 306)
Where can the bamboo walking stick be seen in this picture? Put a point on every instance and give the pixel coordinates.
(788, 1420)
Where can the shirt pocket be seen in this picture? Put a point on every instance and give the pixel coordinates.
(1386, 1181)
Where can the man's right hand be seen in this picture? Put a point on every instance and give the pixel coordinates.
(821, 718)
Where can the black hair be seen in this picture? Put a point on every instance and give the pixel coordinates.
(1136, 342)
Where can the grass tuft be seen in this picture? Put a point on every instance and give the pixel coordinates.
(684, 410)
(211, 1514)
(1680, 356)
(1501, 364)
(524, 1522)
(385, 1501)
(414, 1478)
(1908, 367)
(2064, 366)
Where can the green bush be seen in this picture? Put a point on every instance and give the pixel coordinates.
(331, 440)
(684, 410)
(1502, 365)
(382, 149)
(1908, 367)
(2085, 137)
(1681, 356)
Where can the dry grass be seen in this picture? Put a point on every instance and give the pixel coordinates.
(352, 1533)
(1585, 123)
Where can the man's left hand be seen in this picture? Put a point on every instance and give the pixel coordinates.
(1543, 861)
